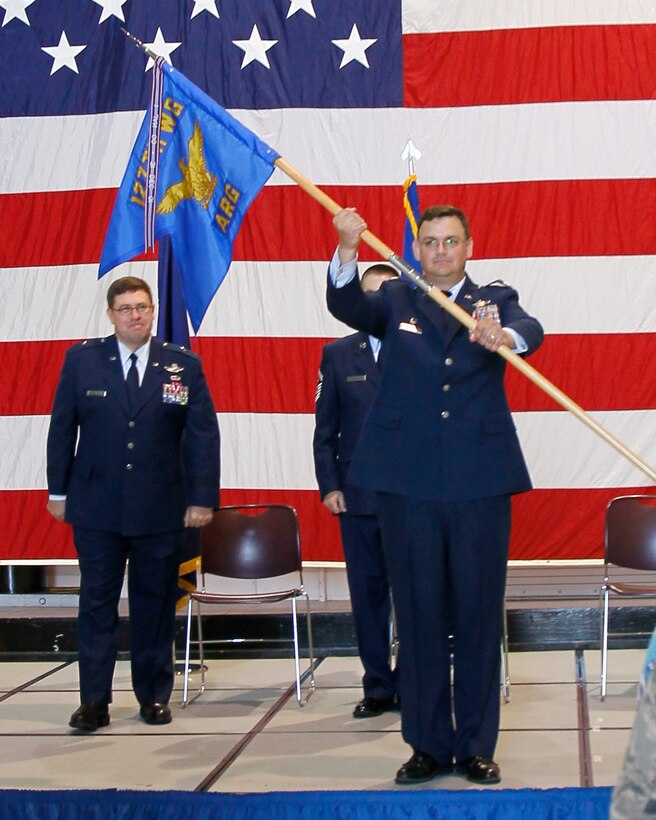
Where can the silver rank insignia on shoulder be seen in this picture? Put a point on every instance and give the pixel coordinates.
(174, 368)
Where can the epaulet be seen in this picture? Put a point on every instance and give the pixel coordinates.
(183, 351)
(87, 344)
(497, 283)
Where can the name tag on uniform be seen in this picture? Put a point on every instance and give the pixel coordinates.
(410, 327)
(362, 378)
(175, 393)
(100, 394)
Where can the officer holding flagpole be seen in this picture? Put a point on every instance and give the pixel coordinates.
(440, 449)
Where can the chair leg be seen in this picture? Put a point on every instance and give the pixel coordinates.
(297, 660)
(185, 674)
(308, 619)
(604, 642)
(186, 700)
(297, 655)
(201, 649)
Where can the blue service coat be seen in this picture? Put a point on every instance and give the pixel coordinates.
(440, 446)
(439, 427)
(132, 473)
(348, 379)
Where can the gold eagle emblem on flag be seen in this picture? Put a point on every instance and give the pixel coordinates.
(197, 182)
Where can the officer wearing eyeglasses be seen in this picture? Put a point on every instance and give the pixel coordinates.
(133, 459)
(440, 449)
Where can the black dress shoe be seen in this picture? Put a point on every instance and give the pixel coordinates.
(372, 707)
(481, 770)
(89, 717)
(421, 768)
(157, 714)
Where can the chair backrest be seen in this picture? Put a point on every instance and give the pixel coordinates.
(251, 541)
(631, 531)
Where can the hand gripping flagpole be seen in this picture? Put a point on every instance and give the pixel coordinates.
(469, 322)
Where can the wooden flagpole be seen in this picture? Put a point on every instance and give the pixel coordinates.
(469, 322)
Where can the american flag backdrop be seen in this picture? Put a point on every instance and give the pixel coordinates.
(538, 119)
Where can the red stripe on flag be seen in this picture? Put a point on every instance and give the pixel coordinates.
(235, 368)
(547, 524)
(56, 227)
(531, 65)
(598, 372)
(511, 219)
(562, 524)
(31, 533)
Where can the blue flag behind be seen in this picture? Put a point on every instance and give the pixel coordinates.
(412, 213)
(210, 170)
(172, 326)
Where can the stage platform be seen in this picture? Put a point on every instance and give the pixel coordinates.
(560, 748)
(247, 734)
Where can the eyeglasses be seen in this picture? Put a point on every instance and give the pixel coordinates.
(449, 243)
(126, 310)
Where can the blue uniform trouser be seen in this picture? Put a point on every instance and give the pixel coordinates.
(447, 565)
(370, 601)
(152, 594)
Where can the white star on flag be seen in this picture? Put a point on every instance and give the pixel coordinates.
(354, 48)
(111, 8)
(301, 5)
(15, 9)
(161, 48)
(204, 5)
(255, 48)
(63, 54)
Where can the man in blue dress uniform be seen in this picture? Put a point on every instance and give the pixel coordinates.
(133, 459)
(348, 378)
(439, 447)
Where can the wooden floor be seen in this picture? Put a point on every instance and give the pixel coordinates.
(247, 733)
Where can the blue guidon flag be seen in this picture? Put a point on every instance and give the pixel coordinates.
(193, 172)
(412, 214)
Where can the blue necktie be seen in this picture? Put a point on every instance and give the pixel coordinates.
(132, 382)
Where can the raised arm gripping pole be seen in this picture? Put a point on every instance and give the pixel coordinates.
(464, 318)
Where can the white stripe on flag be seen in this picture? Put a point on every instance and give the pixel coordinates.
(605, 140)
(560, 453)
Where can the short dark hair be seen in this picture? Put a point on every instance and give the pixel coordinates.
(442, 211)
(380, 267)
(126, 284)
